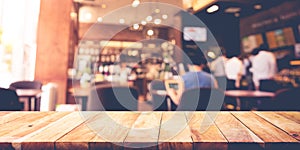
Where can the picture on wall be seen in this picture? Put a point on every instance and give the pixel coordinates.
(280, 38)
(250, 42)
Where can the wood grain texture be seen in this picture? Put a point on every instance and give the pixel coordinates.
(273, 137)
(4, 113)
(18, 127)
(79, 137)
(295, 116)
(111, 129)
(144, 132)
(289, 126)
(149, 130)
(236, 133)
(174, 132)
(45, 137)
(7, 117)
(205, 133)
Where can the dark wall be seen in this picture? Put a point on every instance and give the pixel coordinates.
(225, 28)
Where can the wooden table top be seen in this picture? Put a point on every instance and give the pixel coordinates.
(172, 130)
(248, 93)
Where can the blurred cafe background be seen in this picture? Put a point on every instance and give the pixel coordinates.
(55, 53)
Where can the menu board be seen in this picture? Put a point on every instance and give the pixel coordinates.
(280, 37)
(250, 42)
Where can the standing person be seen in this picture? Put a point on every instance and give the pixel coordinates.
(218, 68)
(264, 65)
(234, 72)
(196, 77)
(247, 81)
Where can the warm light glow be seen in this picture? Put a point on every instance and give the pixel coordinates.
(212, 9)
(257, 6)
(157, 21)
(149, 18)
(136, 26)
(157, 10)
(143, 22)
(201, 4)
(122, 21)
(164, 16)
(73, 14)
(211, 55)
(99, 19)
(236, 14)
(150, 32)
(135, 3)
(103, 6)
(87, 16)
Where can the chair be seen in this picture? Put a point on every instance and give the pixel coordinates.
(159, 102)
(26, 85)
(9, 100)
(201, 99)
(286, 100)
(113, 98)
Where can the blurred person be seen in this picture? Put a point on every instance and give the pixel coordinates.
(217, 67)
(195, 78)
(264, 65)
(234, 72)
(246, 82)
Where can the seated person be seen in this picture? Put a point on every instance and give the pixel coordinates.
(195, 78)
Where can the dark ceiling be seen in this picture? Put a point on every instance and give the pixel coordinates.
(247, 6)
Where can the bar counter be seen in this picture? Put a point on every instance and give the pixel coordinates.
(150, 130)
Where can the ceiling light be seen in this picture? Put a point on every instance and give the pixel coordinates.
(136, 26)
(135, 3)
(143, 22)
(157, 21)
(164, 16)
(257, 6)
(157, 10)
(149, 18)
(212, 9)
(232, 10)
(150, 32)
(122, 21)
(211, 54)
(236, 14)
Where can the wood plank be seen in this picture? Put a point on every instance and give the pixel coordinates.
(174, 132)
(24, 128)
(205, 133)
(13, 128)
(25, 120)
(295, 116)
(12, 116)
(236, 133)
(3, 113)
(273, 137)
(112, 129)
(144, 131)
(79, 137)
(289, 126)
(45, 137)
